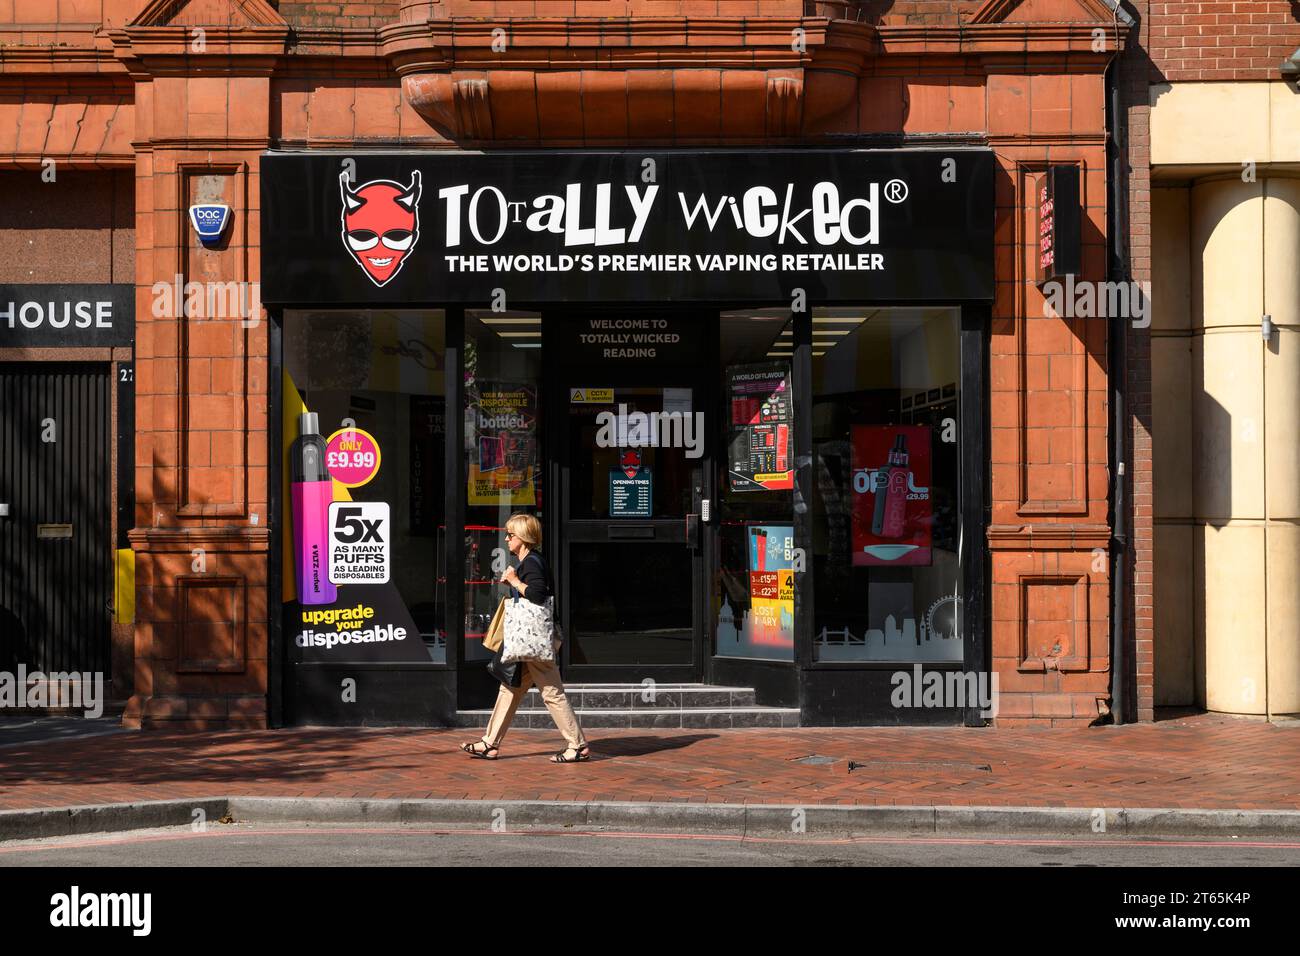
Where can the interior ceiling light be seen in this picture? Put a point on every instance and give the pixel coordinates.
(819, 332)
(520, 335)
(527, 345)
(536, 320)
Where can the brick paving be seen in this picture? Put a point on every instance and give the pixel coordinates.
(1202, 761)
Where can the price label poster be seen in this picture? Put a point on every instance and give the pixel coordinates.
(503, 445)
(771, 585)
(350, 609)
(760, 446)
(893, 515)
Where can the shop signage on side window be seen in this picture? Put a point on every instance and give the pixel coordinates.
(1059, 237)
(631, 487)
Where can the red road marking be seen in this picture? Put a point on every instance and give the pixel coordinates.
(117, 839)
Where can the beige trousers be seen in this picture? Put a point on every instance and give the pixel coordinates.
(547, 678)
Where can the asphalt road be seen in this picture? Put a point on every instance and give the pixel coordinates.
(320, 846)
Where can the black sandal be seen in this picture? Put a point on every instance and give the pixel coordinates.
(579, 754)
(487, 753)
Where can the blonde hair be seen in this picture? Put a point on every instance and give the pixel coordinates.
(526, 528)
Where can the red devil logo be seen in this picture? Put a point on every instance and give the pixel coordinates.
(630, 462)
(381, 224)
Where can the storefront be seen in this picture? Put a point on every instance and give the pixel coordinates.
(743, 393)
(743, 300)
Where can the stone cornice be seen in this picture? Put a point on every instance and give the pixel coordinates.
(169, 50)
(544, 43)
(221, 539)
(1033, 39)
(1048, 537)
(550, 43)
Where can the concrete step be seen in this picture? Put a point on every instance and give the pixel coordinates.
(643, 697)
(696, 717)
(634, 705)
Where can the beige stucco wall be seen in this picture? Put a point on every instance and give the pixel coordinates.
(1226, 403)
(1225, 421)
(1224, 123)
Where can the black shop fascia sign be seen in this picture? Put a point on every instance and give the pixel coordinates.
(67, 315)
(843, 226)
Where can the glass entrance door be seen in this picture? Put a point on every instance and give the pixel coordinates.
(633, 465)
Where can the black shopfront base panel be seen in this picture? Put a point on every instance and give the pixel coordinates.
(860, 697)
(477, 688)
(775, 683)
(385, 696)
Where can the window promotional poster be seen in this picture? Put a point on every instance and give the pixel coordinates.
(771, 584)
(892, 509)
(502, 439)
(760, 449)
(340, 602)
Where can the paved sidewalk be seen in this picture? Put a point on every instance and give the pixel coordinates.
(1195, 762)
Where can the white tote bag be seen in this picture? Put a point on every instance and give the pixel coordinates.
(529, 631)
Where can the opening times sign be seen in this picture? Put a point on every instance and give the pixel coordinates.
(690, 225)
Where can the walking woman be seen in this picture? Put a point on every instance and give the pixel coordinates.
(534, 583)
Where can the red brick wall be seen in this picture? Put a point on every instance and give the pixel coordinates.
(314, 13)
(918, 12)
(377, 13)
(1223, 40)
(1135, 74)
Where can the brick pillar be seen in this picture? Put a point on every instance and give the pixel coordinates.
(201, 536)
(1049, 533)
(1135, 78)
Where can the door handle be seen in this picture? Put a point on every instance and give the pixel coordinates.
(631, 531)
(693, 531)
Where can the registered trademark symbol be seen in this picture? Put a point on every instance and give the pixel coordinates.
(895, 190)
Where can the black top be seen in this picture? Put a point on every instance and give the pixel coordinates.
(536, 576)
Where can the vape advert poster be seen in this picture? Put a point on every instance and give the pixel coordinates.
(892, 510)
(771, 584)
(760, 448)
(503, 453)
(340, 603)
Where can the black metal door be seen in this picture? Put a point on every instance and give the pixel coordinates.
(631, 546)
(55, 517)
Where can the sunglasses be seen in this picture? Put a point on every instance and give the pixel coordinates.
(398, 240)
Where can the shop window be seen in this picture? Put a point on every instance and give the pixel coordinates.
(503, 363)
(374, 382)
(753, 591)
(886, 509)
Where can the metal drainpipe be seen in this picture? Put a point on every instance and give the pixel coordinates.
(1116, 215)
